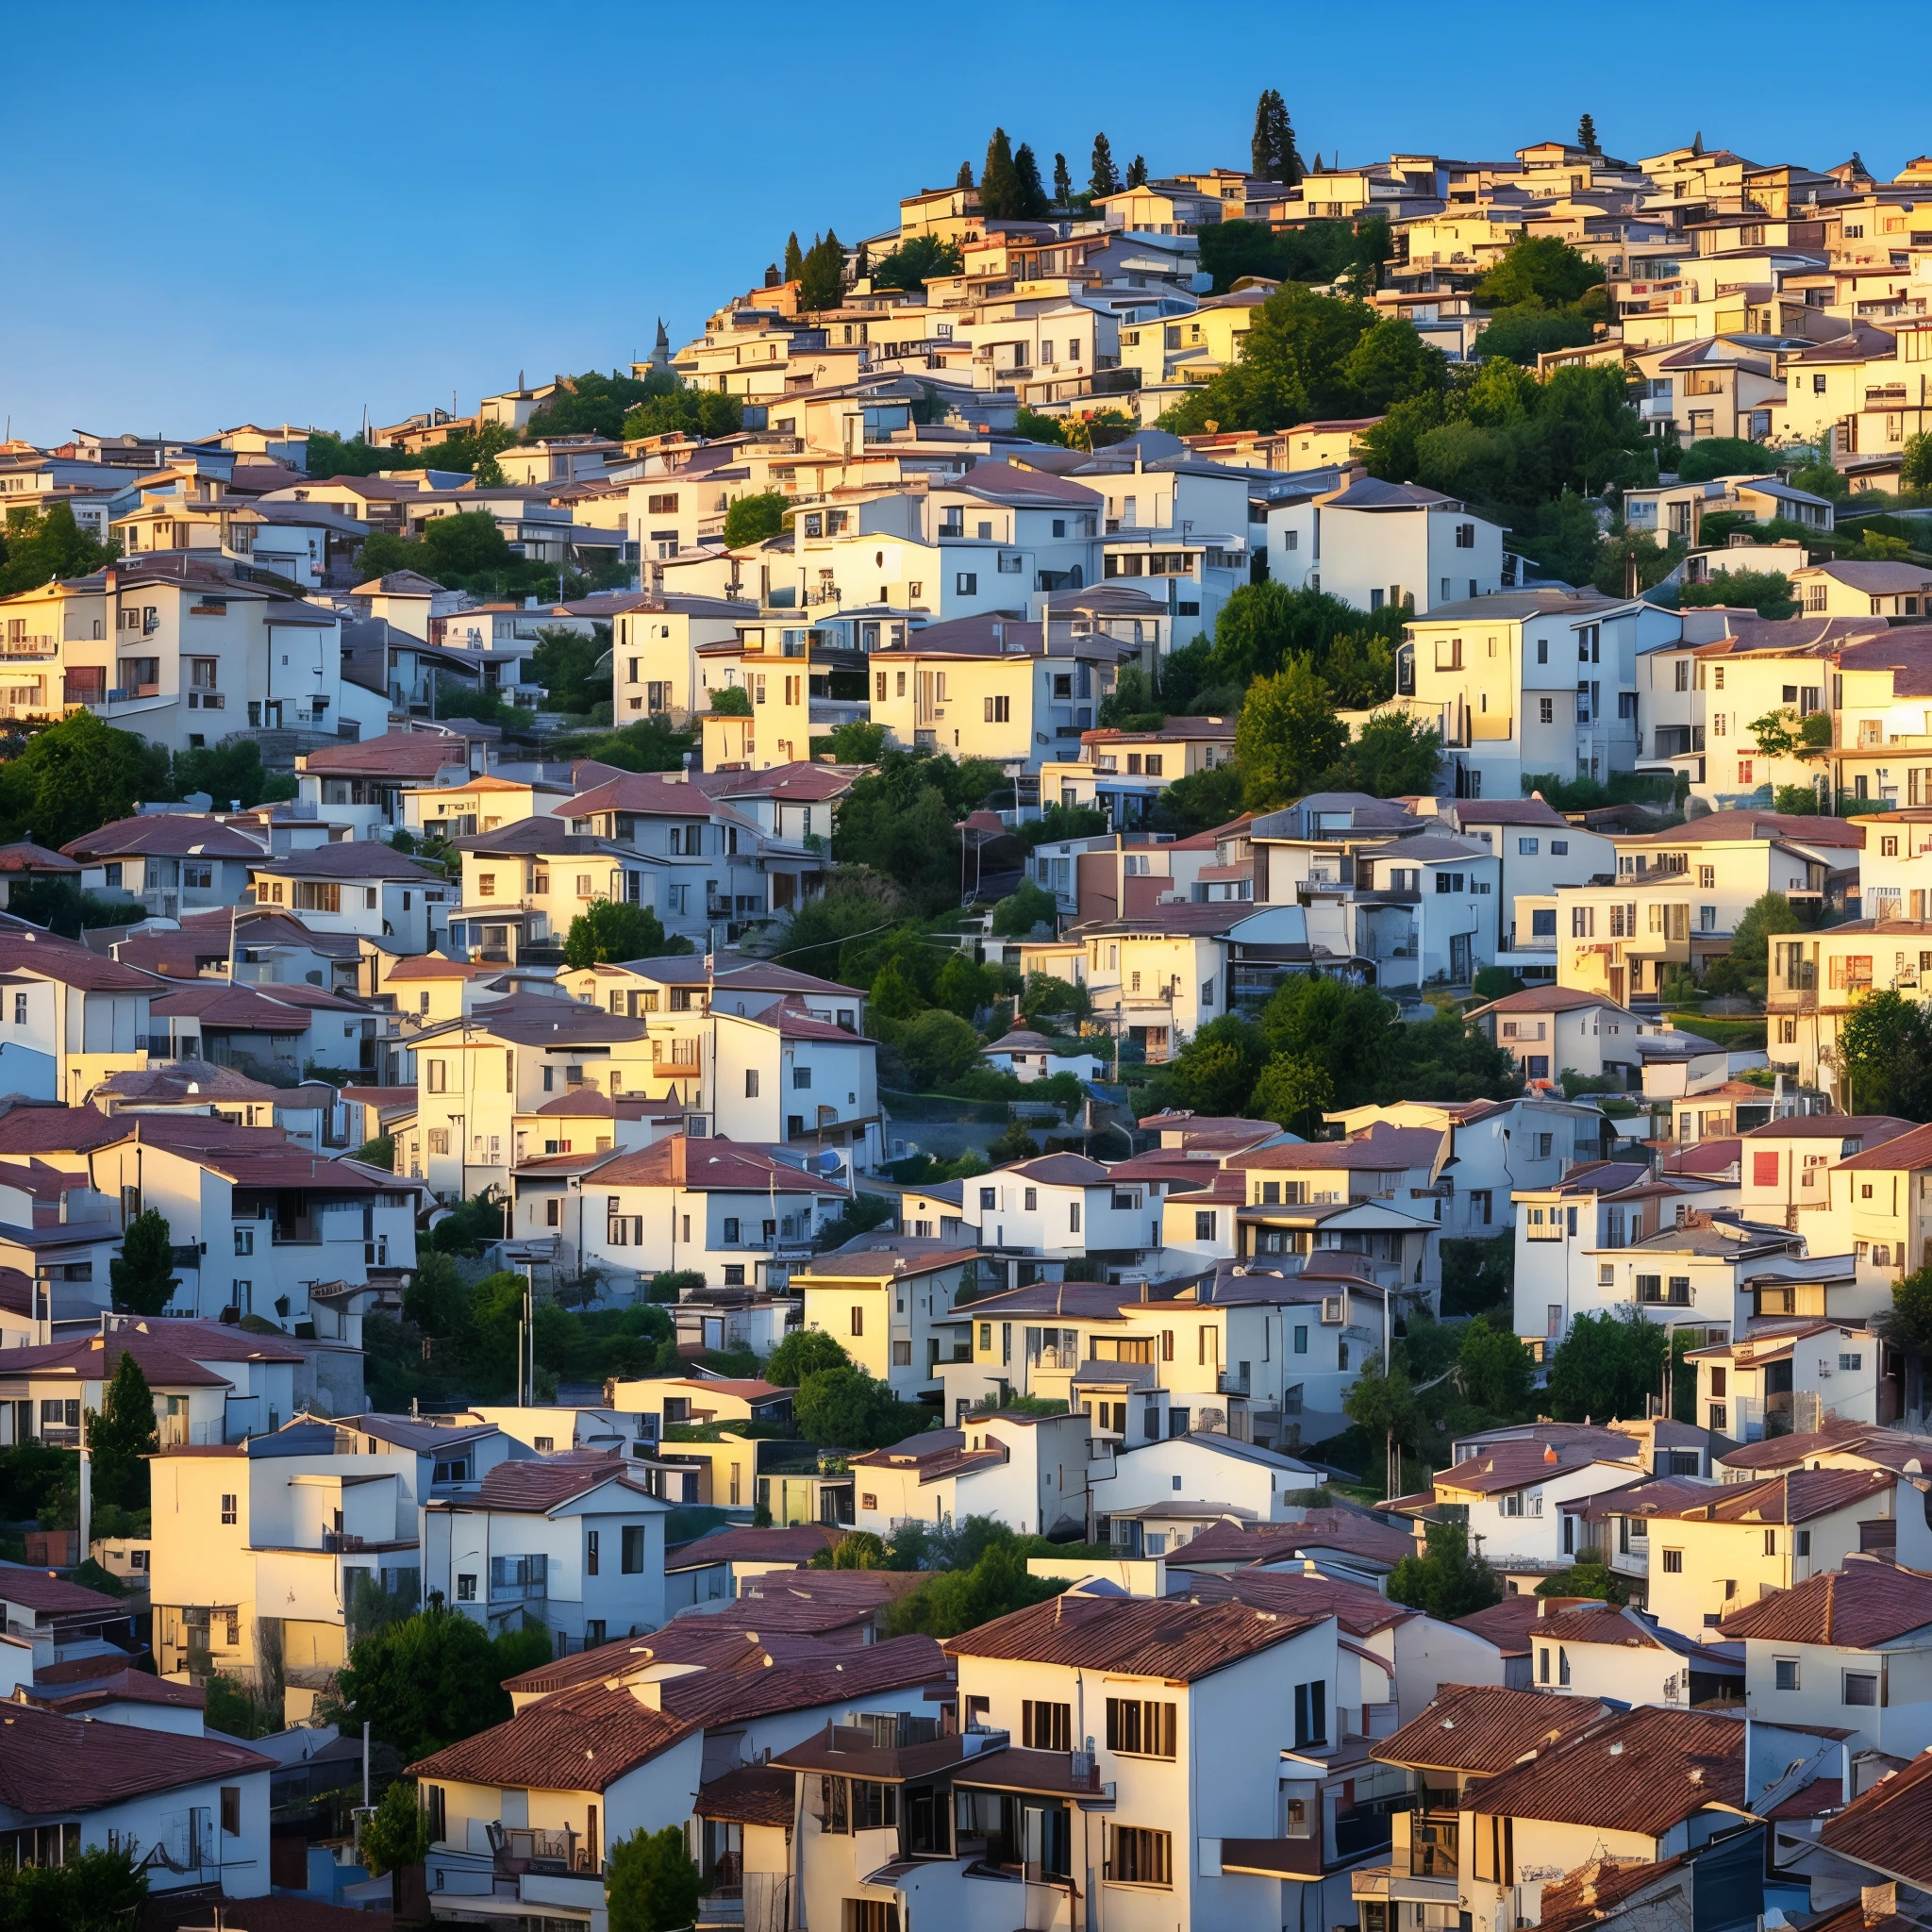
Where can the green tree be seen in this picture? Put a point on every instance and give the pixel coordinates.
(1215, 1072)
(753, 519)
(1915, 463)
(230, 771)
(1031, 191)
(1051, 430)
(566, 666)
(397, 1834)
(91, 1891)
(1132, 705)
(434, 1678)
(1395, 756)
(62, 908)
(857, 1549)
(612, 931)
(938, 1046)
(731, 700)
(803, 1353)
(1564, 537)
(651, 1882)
(857, 742)
(1021, 909)
(141, 1272)
(1294, 1091)
(1494, 1368)
(1062, 183)
(591, 404)
(1103, 178)
(1766, 592)
(465, 544)
(1201, 802)
(1885, 1056)
(1271, 151)
(40, 545)
(999, 181)
(964, 177)
(1288, 735)
(794, 258)
(1538, 268)
(122, 1435)
(1766, 916)
(1590, 1576)
(822, 283)
(952, 1601)
(1909, 1321)
(76, 776)
(1607, 1366)
(1448, 1582)
(1724, 456)
(1137, 172)
(1586, 135)
(847, 1408)
(1289, 369)
(964, 987)
(918, 260)
(669, 407)
(899, 819)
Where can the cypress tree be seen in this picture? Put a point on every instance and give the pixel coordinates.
(794, 258)
(999, 181)
(1586, 134)
(1105, 179)
(821, 279)
(1137, 172)
(141, 1272)
(1062, 182)
(964, 177)
(121, 1435)
(1032, 192)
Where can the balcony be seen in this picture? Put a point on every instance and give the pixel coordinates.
(1228, 1382)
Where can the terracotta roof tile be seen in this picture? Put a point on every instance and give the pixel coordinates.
(50, 1763)
(1485, 1730)
(1888, 1827)
(1135, 1636)
(1866, 1603)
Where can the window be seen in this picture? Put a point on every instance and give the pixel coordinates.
(1674, 1562)
(1546, 711)
(631, 1557)
(228, 1509)
(1204, 1225)
(590, 1553)
(1803, 1542)
(966, 583)
(1137, 1727)
(1861, 1686)
(1137, 1857)
(1763, 1170)
(1527, 847)
(998, 711)
(1787, 1670)
(1301, 1341)
(466, 1589)
(1046, 1726)
(801, 1079)
(231, 1810)
(20, 1009)
(244, 1240)
(751, 1083)
(859, 1321)
(1310, 1714)
(438, 1075)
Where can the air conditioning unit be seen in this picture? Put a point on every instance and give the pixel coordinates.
(1334, 1309)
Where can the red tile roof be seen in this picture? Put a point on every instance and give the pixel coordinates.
(50, 1764)
(726, 1165)
(1355, 1608)
(1800, 1495)
(166, 834)
(1867, 1603)
(535, 1488)
(1505, 1625)
(419, 755)
(1133, 1635)
(1643, 1772)
(1888, 1827)
(1485, 1730)
(1276, 1542)
(47, 1590)
(584, 1738)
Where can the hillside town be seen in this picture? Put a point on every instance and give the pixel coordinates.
(1312, 750)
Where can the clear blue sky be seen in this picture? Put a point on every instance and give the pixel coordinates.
(221, 213)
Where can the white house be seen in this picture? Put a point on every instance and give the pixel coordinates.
(572, 1542)
(1385, 546)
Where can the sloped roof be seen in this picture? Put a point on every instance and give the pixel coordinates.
(1274, 1543)
(1133, 1635)
(417, 754)
(1866, 1603)
(1889, 1826)
(1484, 1729)
(169, 834)
(1643, 1772)
(50, 1763)
(1355, 1608)
(536, 1487)
(726, 1165)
